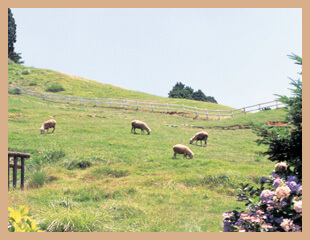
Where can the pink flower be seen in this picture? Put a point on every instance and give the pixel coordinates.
(287, 225)
(259, 212)
(245, 216)
(241, 230)
(283, 192)
(256, 220)
(266, 226)
(298, 206)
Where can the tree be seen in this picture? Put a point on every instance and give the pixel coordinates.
(181, 91)
(285, 144)
(12, 39)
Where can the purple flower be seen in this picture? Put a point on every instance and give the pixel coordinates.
(299, 189)
(292, 179)
(292, 185)
(266, 195)
(279, 220)
(274, 175)
(263, 180)
(277, 182)
(228, 227)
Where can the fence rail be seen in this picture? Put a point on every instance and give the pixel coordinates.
(151, 106)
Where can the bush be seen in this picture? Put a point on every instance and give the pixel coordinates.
(276, 208)
(33, 83)
(54, 87)
(15, 91)
(26, 72)
(20, 222)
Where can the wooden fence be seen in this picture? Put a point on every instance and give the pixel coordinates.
(16, 156)
(129, 104)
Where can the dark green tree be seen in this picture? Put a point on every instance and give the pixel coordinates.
(181, 91)
(285, 143)
(12, 39)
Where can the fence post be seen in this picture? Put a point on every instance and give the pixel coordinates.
(152, 107)
(244, 111)
(22, 173)
(80, 101)
(124, 104)
(207, 114)
(232, 114)
(183, 109)
(167, 107)
(96, 102)
(43, 96)
(68, 99)
(218, 113)
(196, 112)
(276, 104)
(15, 171)
(110, 102)
(137, 105)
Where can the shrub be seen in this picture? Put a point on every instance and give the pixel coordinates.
(26, 72)
(33, 83)
(276, 208)
(15, 91)
(20, 222)
(54, 87)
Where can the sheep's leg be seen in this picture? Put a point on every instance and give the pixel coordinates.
(175, 155)
(53, 129)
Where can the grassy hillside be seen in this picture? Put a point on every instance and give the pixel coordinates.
(92, 174)
(39, 79)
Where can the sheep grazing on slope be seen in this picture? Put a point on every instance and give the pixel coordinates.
(200, 136)
(48, 124)
(141, 125)
(181, 149)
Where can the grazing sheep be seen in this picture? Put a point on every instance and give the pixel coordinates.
(141, 125)
(181, 149)
(200, 136)
(48, 124)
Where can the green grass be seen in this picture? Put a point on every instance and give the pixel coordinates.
(92, 174)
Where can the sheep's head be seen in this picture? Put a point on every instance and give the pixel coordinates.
(148, 131)
(191, 155)
(191, 141)
(42, 130)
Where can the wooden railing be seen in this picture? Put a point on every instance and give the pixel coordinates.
(17, 156)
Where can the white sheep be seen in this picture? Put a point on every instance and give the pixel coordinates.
(200, 136)
(181, 149)
(48, 124)
(141, 125)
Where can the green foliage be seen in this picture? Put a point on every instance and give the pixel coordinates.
(285, 144)
(15, 91)
(20, 222)
(37, 178)
(55, 87)
(12, 55)
(26, 72)
(182, 91)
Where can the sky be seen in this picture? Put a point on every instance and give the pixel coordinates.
(238, 56)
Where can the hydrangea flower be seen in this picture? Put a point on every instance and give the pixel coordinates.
(287, 225)
(280, 167)
(298, 206)
(292, 179)
(277, 182)
(283, 192)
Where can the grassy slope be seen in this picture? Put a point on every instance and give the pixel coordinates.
(134, 184)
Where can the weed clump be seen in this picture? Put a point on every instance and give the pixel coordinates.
(55, 87)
